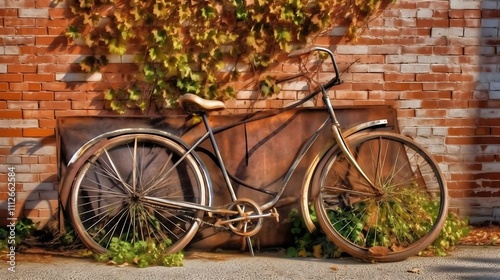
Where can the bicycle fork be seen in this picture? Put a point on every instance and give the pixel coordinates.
(337, 135)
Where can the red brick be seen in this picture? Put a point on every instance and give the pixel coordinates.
(482, 131)
(60, 86)
(8, 13)
(7, 31)
(50, 40)
(39, 77)
(474, 22)
(448, 50)
(11, 132)
(71, 96)
(453, 103)
(22, 105)
(416, 49)
(457, 22)
(38, 132)
(31, 31)
(431, 113)
(55, 22)
(445, 68)
(19, 41)
(17, 22)
(38, 114)
(397, 77)
(367, 86)
(441, 77)
(43, 3)
(402, 86)
(60, 13)
(31, 213)
(29, 159)
(4, 86)
(430, 23)
(460, 122)
(456, 13)
(57, 105)
(21, 68)
(489, 13)
(459, 131)
(18, 86)
(10, 95)
(77, 105)
(11, 78)
(488, 122)
(34, 86)
(47, 123)
(11, 114)
(44, 95)
(56, 30)
(462, 78)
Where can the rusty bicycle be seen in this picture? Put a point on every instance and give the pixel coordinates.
(378, 195)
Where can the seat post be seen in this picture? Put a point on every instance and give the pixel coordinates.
(219, 157)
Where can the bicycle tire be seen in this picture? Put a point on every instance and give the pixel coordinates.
(392, 224)
(105, 197)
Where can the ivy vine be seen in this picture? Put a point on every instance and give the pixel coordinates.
(200, 46)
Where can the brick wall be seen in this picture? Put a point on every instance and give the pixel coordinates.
(437, 62)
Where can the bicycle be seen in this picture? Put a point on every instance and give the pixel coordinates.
(379, 196)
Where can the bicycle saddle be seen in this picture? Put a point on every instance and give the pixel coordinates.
(195, 104)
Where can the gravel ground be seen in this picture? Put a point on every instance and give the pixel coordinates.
(466, 262)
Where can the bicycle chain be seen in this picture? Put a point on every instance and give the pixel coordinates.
(201, 221)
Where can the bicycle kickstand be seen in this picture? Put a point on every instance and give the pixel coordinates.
(249, 244)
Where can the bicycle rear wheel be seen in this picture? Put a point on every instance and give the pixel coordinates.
(106, 197)
(397, 219)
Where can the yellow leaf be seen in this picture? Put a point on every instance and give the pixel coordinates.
(317, 251)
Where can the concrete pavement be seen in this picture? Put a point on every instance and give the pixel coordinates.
(465, 262)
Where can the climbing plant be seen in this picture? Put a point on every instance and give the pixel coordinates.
(200, 46)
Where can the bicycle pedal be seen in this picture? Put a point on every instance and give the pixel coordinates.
(275, 214)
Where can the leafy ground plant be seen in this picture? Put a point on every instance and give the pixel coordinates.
(23, 229)
(317, 245)
(307, 244)
(141, 254)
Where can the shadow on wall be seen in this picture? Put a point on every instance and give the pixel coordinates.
(36, 182)
(482, 115)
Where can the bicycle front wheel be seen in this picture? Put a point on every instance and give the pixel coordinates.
(400, 216)
(107, 195)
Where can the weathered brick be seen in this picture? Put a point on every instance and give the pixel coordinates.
(34, 13)
(57, 105)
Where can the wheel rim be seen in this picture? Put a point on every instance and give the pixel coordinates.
(106, 199)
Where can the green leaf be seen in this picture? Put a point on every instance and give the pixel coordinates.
(72, 32)
(117, 47)
(134, 94)
(109, 94)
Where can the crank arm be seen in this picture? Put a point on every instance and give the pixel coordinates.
(250, 217)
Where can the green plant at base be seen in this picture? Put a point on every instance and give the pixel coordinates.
(317, 244)
(141, 253)
(24, 228)
(454, 229)
(307, 244)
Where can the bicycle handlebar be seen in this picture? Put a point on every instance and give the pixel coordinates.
(336, 80)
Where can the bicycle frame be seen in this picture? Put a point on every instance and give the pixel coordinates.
(339, 137)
